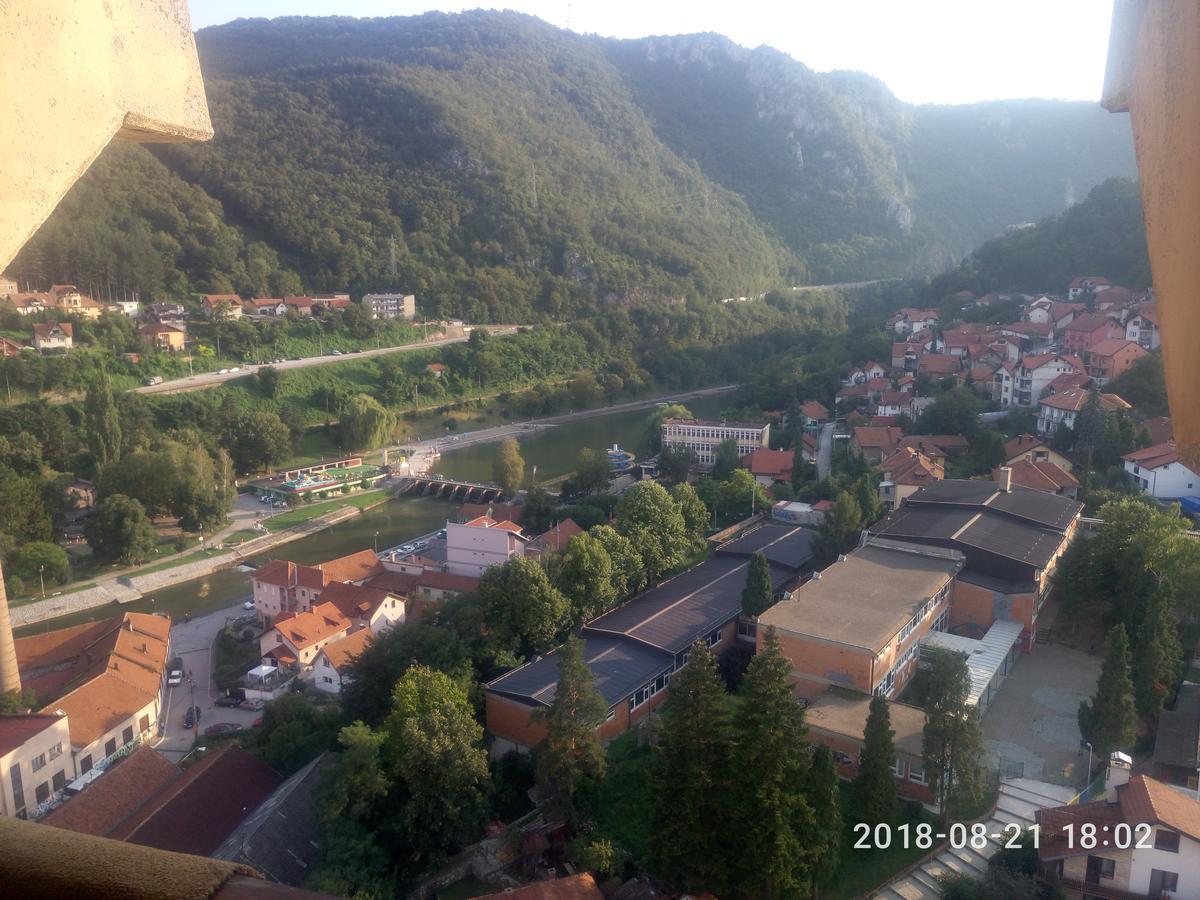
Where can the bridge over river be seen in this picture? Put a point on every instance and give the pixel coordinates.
(455, 489)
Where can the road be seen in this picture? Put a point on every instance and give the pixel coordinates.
(825, 451)
(211, 379)
(193, 643)
(841, 284)
(422, 457)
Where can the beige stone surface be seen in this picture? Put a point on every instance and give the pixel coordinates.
(74, 74)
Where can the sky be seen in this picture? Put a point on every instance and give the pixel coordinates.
(926, 51)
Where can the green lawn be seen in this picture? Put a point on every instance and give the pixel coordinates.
(305, 513)
(862, 870)
(246, 534)
(172, 563)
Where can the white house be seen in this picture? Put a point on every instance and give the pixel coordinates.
(474, 547)
(372, 608)
(1158, 471)
(332, 662)
(908, 320)
(1059, 410)
(53, 335)
(1024, 384)
(296, 638)
(1147, 840)
(1142, 327)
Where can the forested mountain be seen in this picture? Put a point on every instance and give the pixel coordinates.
(1103, 235)
(504, 169)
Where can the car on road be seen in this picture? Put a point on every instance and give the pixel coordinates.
(407, 548)
(175, 677)
(248, 604)
(256, 703)
(228, 702)
(222, 728)
(192, 717)
(222, 371)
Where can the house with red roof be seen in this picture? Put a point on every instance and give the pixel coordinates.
(814, 413)
(53, 335)
(907, 319)
(268, 306)
(905, 471)
(1084, 331)
(1159, 472)
(331, 667)
(769, 466)
(281, 586)
(937, 446)
(295, 639)
(940, 365)
(1159, 428)
(1040, 475)
(1033, 448)
(873, 443)
(35, 761)
(897, 403)
(554, 539)
(373, 608)
(1084, 285)
(1061, 409)
(221, 306)
(1147, 840)
(1142, 326)
(1026, 382)
(301, 305)
(1109, 358)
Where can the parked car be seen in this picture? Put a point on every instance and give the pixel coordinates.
(222, 728)
(175, 677)
(227, 702)
(192, 717)
(256, 723)
(256, 703)
(153, 380)
(222, 371)
(248, 604)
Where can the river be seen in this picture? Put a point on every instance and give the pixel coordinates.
(552, 451)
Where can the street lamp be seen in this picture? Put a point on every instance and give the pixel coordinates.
(42, 579)
(377, 543)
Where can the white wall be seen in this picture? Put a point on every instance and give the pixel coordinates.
(97, 748)
(1185, 863)
(1167, 482)
(473, 549)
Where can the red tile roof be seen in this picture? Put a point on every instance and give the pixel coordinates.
(1146, 800)
(343, 651)
(814, 410)
(1113, 346)
(406, 583)
(1092, 322)
(46, 329)
(354, 601)
(939, 364)
(911, 467)
(560, 534)
(1074, 399)
(303, 629)
(117, 794)
(353, 567)
(885, 438)
(1154, 457)
(16, 730)
(501, 512)
(948, 444)
(1039, 475)
(773, 463)
(1068, 380)
(1020, 444)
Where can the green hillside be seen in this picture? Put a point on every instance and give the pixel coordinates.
(503, 169)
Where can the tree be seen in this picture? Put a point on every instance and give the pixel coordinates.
(437, 755)
(268, 381)
(954, 412)
(1109, 720)
(508, 469)
(842, 525)
(674, 463)
(537, 513)
(696, 517)
(101, 420)
(758, 592)
(1158, 660)
(257, 441)
(655, 420)
(801, 468)
(726, 458)
(39, 558)
(952, 743)
(118, 531)
(875, 799)
(591, 472)
(774, 844)
(986, 451)
(866, 495)
(583, 572)
(738, 496)
(294, 732)
(571, 754)
(628, 573)
(825, 798)
(365, 423)
(524, 609)
(23, 515)
(652, 522)
(689, 837)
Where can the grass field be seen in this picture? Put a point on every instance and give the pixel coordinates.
(305, 513)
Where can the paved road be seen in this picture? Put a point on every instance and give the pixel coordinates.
(825, 451)
(211, 379)
(193, 643)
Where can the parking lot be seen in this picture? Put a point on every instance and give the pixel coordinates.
(192, 642)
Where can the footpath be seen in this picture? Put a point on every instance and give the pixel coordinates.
(125, 588)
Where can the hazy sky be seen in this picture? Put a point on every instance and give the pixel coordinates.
(926, 51)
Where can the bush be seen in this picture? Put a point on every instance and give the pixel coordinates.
(513, 776)
(39, 557)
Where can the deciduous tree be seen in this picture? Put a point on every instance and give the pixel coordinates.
(1158, 660)
(524, 609)
(652, 522)
(726, 458)
(118, 531)
(365, 423)
(628, 573)
(696, 517)
(508, 469)
(591, 472)
(583, 572)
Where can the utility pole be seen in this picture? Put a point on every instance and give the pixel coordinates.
(42, 579)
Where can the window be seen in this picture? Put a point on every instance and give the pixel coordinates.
(56, 751)
(916, 772)
(18, 790)
(85, 764)
(612, 712)
(1163, 882)
(110, 747)
(41, 793)
(1166, 840)
(60, 780)
(747, 631)
(898, 767)
(38, 762)
(127, 734)
(144, 724)
(713, 638)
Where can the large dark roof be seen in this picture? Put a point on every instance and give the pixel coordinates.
(620, 667)
(1035, 507)
(693, 603)
(787, 546)
(1178, 740)
(282, 838)
(982, 529)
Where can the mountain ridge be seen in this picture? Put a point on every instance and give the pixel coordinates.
(506, 169)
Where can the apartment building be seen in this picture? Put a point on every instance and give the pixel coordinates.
(35, 761)
(391, 306)
(1061, 409)
(701, 438)
(281, 586)
(474, 547)
(1108, 359)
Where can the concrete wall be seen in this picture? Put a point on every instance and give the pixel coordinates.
(58, 733)
(845, 747)
(98, 750)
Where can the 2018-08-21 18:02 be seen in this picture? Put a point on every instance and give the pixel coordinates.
(960, 836)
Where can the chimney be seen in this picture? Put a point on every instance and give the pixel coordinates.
(1118, 774)
(10, 678)
(1005, 481)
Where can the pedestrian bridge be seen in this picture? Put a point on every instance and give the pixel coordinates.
(454, 489)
